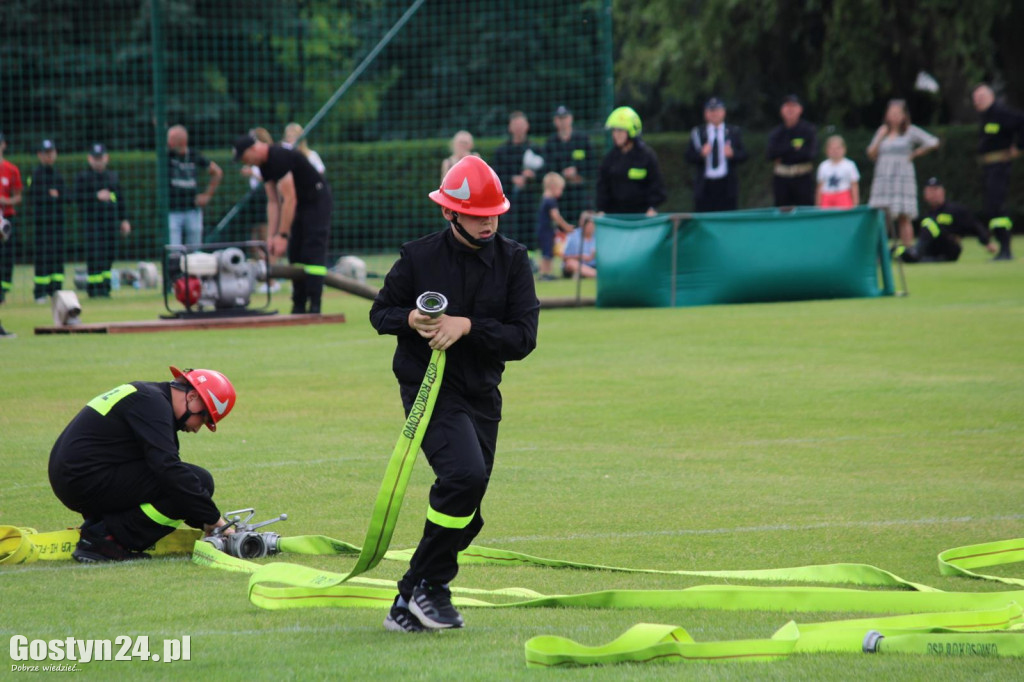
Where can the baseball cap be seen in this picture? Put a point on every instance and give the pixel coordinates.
(563, 110)
(714, 103)
(47, 145)
(97, 149)
(242, 143)
(791, 99)
(933, 182)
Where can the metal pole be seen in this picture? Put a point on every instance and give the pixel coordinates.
(338, 94)
(160, 118)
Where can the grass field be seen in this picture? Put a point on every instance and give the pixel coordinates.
(879, 431)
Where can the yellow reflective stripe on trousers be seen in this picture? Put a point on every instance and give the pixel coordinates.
(154, 514)
(1002, 223)
(316, 270)
(442, 519)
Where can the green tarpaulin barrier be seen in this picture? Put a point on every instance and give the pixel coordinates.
(741, 257)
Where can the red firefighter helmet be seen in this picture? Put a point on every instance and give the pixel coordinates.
(473, 188)
(214, 389)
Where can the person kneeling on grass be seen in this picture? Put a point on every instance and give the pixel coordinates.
(491, 319)
(944, 226)
(117, 464)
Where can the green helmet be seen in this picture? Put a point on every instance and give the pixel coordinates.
(626, 119)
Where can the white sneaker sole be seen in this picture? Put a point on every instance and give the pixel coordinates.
(427, 622)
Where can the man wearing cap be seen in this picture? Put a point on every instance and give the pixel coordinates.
(117, 463)
(10, 196)
(568, 152)
(47, 195)
(102, 212)
(715, 150)
(793, 149)
(298, 214)
(185, 214)
(943, 226)
(1001, 136)
(491, 319)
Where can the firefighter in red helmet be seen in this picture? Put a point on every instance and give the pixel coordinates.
(491, 319)
(117, 463)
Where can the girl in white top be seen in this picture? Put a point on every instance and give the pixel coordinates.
(838, 177)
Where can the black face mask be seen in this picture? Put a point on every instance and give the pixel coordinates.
(465, 235)
(179, 423)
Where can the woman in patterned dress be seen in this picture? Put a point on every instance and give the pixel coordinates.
(894, 147)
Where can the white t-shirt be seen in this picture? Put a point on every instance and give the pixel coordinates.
(837, 177)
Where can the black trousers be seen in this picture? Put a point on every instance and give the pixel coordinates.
(459, 444)
(49, 258)
(996, 178)
(716, 195)
(100, 249)
(114, 496)
(797, 191)
(307, 246)
(928, 249)
(7, 263)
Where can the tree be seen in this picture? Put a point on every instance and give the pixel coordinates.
(845, 57)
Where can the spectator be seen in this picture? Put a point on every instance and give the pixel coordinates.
(185, 218)
(629, 178)
(256, 209)
(10, 196)
(942, 229)
(568, 152)
(517, 162)
(838, 177)
(716, 149)
(893, 148)
(491, 320)
(293, 131)
(579, 259)
(548, 218)
(793, 148)
(47, 195)
(461, 146)
(102, 213)
(299, 207)
(1001, 136)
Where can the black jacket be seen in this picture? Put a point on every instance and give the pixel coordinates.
(630, 182)
(48, 210)
(698, 137)
(134, 422)
(559, 154)
(492, 286)
(90, 209)
(791, 146)
(1000, 127)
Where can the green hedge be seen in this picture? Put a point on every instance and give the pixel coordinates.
(380, 189)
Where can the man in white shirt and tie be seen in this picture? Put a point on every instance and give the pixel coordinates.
(715, 149)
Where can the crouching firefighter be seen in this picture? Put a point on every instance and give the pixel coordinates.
(117, 463)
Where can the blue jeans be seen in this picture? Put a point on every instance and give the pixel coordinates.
(187, 224)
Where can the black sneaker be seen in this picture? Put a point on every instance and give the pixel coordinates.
(1004, 254)
(4, 334)
(97, 546)
(432, 605)
(400, 619)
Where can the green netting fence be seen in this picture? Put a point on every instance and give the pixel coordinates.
(121, 72)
